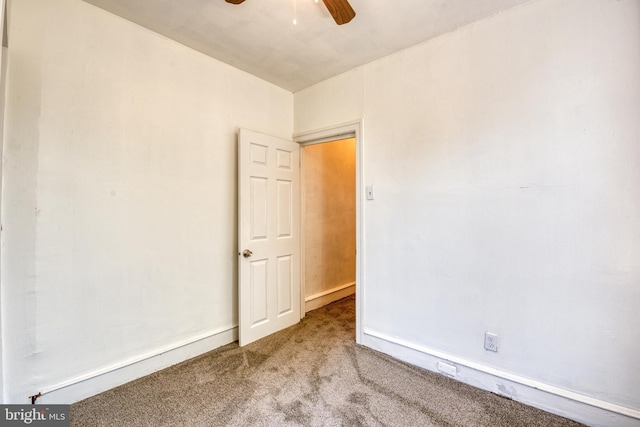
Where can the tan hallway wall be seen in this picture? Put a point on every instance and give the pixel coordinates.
(329, 221)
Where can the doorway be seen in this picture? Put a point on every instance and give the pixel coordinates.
(328, 183)
(269, 222)
(353, 131)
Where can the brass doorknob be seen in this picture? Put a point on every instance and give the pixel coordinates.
(247, 253)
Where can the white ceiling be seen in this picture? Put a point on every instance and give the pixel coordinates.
(258, 36)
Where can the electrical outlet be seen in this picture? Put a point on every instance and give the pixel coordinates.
(490, 341)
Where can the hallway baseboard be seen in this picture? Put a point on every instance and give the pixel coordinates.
(327, 297)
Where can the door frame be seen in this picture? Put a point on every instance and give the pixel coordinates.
(351, 129)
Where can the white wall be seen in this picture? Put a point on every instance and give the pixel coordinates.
(120, 194)
(3, 68)
(506, 161)
(505, 158)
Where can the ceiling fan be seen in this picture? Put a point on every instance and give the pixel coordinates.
(341, 10)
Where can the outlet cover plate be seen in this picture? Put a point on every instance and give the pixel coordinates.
(491, 342)
(447, 369)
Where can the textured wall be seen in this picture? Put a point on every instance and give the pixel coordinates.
(506, 162)
(119, 191)
(3, 69)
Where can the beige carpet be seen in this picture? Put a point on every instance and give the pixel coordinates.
(312, 374)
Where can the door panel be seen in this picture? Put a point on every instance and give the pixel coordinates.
(258, 208)
(284, 203)
(285, 283)
(258, 283)
(269, 234)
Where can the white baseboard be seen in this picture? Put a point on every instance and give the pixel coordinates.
(327, 297)
(108, 377)
(585, 409)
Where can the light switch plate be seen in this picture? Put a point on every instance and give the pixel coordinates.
(369, 192)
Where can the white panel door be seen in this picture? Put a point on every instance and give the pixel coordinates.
(269, 234)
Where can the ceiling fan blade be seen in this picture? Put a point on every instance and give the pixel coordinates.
(234, 1)
(341, 10)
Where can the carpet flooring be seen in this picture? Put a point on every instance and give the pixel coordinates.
(312, 374)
